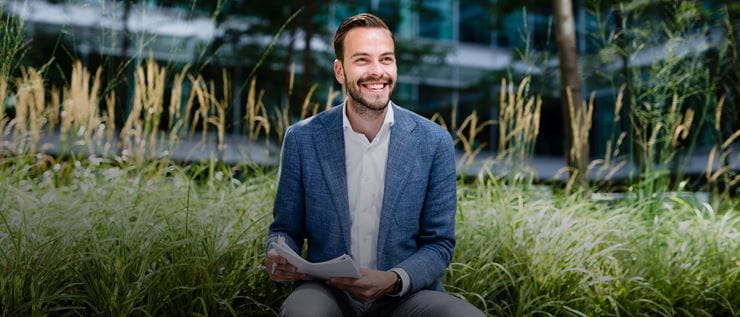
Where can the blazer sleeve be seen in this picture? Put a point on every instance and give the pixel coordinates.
(289, 208)
(436, 238)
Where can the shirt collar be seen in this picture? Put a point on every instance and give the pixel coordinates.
(388, 120)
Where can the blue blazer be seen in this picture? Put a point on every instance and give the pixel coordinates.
(417, 221)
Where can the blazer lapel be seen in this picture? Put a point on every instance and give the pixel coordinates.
(398, 167)
(329, 145)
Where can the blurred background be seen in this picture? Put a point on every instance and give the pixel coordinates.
(452, 55)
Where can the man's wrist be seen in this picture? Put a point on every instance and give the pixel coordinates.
(404, 283)
(395, 288)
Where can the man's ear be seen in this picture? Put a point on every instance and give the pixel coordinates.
(339, 71)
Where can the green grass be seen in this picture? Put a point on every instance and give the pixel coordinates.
(99, 239)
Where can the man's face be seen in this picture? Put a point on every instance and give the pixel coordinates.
(368, 71)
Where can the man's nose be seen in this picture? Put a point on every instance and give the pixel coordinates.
(376, 69)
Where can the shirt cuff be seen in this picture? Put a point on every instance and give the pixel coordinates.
(405, 281)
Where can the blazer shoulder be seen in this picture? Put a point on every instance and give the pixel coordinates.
(429, 129)
(315, 123)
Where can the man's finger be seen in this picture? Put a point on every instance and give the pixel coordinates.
(344, 280)
(286, 268)
(273, 256)
(350, 289)
(352, 286)
(282, 276)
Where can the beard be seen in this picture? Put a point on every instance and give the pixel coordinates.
(372, 103)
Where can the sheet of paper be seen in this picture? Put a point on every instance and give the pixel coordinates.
(342, 266)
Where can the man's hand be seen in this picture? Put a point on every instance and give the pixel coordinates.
(373, 284)
(280, 270)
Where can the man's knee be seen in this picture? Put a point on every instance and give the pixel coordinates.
(454, 306)
(311, 299)
(437, 304)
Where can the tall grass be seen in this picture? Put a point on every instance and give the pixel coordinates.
(521, 253)
(91, 238)
(13, 44)
(121, 241)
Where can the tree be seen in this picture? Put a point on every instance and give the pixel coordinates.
(570, 89)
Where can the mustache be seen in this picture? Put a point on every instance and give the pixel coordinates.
(384, 78)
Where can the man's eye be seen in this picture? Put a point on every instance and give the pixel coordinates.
(387, 60)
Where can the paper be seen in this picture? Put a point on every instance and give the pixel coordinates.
(342, 266)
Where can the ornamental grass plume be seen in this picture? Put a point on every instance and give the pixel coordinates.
(54, 109)
(580, 126)
(110, 121)
(518, 122)
(140, 132)
(611, 163)
(307, 102)
(80, 105)
(30, 111)
(256, 113)
(468, 140)
(174, 123)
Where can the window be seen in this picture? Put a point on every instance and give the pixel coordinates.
(435, 19)
(475, 22)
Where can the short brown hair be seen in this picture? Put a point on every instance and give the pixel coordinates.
(362, 20)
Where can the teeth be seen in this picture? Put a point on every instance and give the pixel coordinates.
(375, 86)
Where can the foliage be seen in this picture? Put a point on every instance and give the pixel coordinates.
(98, 237)
(12, 43)
(676, 101)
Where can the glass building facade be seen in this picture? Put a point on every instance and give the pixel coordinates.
(475, 44)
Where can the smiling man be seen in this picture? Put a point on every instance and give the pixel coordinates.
(373, 180)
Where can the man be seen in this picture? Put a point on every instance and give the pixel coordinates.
(372, 180)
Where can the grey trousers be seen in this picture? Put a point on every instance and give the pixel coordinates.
(317, 299)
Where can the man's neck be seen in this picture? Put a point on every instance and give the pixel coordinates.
(364, 120)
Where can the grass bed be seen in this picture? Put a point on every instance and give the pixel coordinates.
(97, 239)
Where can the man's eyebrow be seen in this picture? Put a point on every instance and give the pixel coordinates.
(359, 54)
(366, 54)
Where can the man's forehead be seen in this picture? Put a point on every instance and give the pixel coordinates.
(368, 32)
(368, 41)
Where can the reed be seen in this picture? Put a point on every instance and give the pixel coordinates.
(613, 160)
(80, 115)
(54, 109)
(581, 115)
(174, 122)
(140, 131)
(221, 107)
(305, 108)
(518, 122)
(110, 121)
(468, 140)
(256, 114)
(30, 109)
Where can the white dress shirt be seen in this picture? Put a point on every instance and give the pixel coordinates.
(366, 164)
